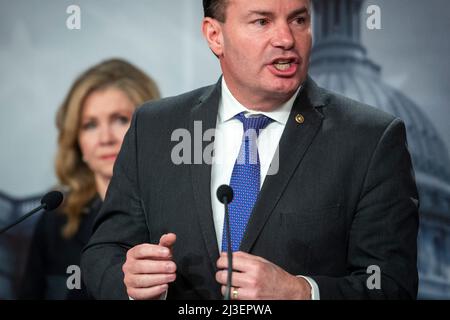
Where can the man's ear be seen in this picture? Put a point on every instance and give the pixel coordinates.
(212, 31)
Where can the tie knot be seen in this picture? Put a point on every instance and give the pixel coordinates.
(256, 123)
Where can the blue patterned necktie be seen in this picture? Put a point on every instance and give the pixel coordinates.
(245, 180)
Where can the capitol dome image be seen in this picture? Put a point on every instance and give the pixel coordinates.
(339, 62)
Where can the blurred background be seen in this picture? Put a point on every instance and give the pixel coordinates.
(402, 68)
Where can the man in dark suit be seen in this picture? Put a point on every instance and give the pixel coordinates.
(325, 208)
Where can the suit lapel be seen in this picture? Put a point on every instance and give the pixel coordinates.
(294, 143)
(205, 112)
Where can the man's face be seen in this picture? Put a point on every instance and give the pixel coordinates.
(264, 49)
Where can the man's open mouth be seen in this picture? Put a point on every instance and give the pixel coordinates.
(283, 64)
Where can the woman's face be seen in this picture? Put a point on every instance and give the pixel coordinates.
(105, 118)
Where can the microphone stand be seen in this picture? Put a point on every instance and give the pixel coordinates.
(42, 206)
(50, 201)
(229, 251)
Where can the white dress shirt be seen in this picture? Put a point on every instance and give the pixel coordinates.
(228, 140)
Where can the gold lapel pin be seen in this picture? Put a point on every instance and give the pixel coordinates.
(300, 119)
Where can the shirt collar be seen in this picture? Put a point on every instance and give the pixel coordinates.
(229, 107)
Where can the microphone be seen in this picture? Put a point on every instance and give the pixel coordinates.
(49, 202)
(225, 196)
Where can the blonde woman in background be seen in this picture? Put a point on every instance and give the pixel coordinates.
(92, 123)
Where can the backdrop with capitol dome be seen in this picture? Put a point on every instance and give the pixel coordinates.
(402, 68)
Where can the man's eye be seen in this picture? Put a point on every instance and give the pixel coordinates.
(300, 20)
(261, 22)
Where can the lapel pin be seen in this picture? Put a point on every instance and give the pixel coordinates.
(300, 119)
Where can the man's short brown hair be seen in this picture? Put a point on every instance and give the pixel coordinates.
(215, 9)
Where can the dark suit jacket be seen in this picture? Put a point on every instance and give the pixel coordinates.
(45, 275)
(344, 199)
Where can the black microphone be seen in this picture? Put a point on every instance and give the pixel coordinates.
(225, 195)
(49, 202)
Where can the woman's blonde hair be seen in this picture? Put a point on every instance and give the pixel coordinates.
(73, 174)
